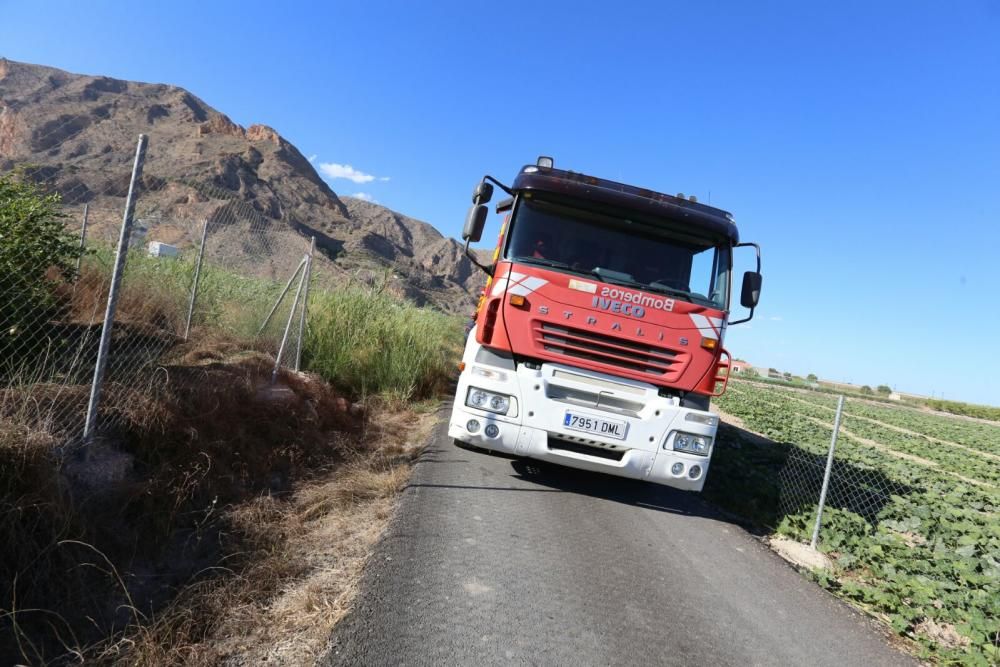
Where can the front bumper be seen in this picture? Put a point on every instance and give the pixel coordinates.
(534, 426)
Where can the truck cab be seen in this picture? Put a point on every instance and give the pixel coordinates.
(598, 340)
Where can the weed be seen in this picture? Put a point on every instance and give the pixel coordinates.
(366, 342)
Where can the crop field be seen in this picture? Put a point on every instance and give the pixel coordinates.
(912, 522)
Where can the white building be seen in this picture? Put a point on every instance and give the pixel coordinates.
(159, 249)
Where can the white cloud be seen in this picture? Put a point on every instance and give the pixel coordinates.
(385, 179)
(311, 158)
(775, 318)
(334, 170)
(363, 196)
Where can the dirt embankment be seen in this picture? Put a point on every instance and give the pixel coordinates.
(224, 520)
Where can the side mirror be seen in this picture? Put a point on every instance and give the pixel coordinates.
(482, 194)
(505, 205)
(751, 289)
(474, 222)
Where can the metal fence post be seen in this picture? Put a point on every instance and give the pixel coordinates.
(305, 304)
(83, 237)
(116, 279)
(281, 297)
(826, 473)
(288, 325)
(197, 278)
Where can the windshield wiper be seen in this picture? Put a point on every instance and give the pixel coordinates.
(658, 287)
(541, 261)
(555, 264)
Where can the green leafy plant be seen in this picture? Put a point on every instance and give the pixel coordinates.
(35, 253)
(927, 558)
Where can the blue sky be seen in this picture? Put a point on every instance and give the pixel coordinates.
(858, 142)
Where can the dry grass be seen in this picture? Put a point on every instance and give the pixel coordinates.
(942, 633)
(309, 556)
(152, 503)
(34, 520)
(142, 301)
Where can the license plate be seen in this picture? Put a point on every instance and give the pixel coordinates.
(609, 428)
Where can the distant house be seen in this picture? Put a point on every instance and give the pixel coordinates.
(739, 367)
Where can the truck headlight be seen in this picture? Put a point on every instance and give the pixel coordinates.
(692, 444)
(487, 400)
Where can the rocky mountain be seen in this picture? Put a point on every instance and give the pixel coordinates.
(77, 134)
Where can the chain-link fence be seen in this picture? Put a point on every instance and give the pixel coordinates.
(810, 480)
(171, 263)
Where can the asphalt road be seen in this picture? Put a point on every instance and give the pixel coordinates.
(497, 561)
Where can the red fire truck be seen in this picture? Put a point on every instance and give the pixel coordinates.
(598, 340)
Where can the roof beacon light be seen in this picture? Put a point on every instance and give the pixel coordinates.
(545, 162)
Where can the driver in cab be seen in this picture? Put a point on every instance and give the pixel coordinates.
(539, 248)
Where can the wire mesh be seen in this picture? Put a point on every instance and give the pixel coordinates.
(246, 260)
(854, 486)
(53, 290)
(55, 270)
(863, 491)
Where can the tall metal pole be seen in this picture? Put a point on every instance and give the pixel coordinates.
(83, 237)
(197, 278)
(281, 297)
(305, 305)
(116, 280)
(826, 473)
(288, 327)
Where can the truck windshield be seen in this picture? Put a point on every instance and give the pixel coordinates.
(658, 257)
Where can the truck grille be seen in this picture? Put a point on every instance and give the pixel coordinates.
(648, 360)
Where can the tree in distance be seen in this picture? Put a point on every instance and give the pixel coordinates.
(884, 389)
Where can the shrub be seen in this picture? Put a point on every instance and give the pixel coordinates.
(35, 251)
